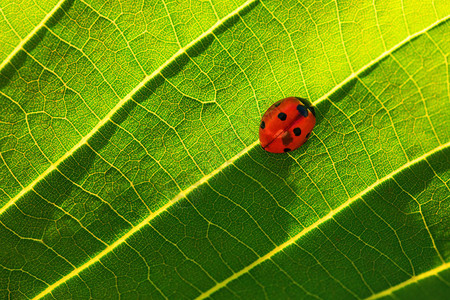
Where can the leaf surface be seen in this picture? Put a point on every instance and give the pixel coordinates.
(130, 165)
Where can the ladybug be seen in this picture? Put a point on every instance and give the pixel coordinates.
(286, 125)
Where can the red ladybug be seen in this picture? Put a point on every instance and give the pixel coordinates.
(286, 125)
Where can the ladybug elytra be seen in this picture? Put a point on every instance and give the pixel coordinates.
(286, 125)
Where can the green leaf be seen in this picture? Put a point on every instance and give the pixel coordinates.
(130, 165)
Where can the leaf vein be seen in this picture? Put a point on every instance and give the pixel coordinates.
(293, 241)
(120, 104)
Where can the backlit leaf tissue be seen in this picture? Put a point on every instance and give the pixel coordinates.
(130, 165)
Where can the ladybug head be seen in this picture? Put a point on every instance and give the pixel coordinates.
(308, 105)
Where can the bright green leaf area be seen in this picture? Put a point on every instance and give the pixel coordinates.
(130, 165)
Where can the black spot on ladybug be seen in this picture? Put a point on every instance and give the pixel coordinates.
(302, 110)
(277, 104)
(286, 150)
(286, 138)
(297, 131)
(307, 136)
(263, 125)
(282, 116)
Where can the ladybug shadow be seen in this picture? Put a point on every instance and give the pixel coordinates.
(278, 175)
(263, 194)
(286, 174)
